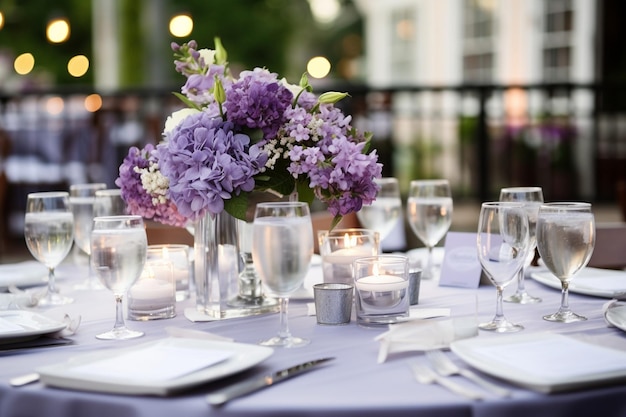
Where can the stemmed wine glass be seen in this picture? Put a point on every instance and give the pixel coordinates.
(82, 200)
(566, 236)
(429, 209)
(282, 247)
(503, 244)
(532, 198)
(109, 202)
(118, 254)
(384, 212)
(49, 233)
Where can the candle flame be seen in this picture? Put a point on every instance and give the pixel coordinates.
(349, 241)
(166, 254)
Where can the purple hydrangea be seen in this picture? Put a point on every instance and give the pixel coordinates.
(138, 200)
(207, 161)
(258, 101)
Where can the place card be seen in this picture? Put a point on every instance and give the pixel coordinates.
(460, 266)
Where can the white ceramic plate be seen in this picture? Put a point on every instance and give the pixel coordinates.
(69, 375)
(616, 315)
(23, 274)
(544, 362)
(20, 325)
(596, 282)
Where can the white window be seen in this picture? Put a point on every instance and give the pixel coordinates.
(478, 40)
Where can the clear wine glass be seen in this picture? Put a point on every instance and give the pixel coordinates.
(382, 214)
(49, 233)
(118, 254)
(282, 247)
(429, 208)
(532, 198)
(109, 202)
(82, 201)
(503, 244)
(566, 236)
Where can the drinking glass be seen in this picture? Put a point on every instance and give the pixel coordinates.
(109, 202)
(282, 247)
(502, 243)
(384, 212)
(118, 254)
(429, 209)
(49, 233)
(566, 236)
(82, 200)
(532, 198)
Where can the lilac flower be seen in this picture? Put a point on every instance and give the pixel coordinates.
(136, 172)
(258, 101)
(207, 162)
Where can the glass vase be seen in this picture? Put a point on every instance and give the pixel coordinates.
(225, 287)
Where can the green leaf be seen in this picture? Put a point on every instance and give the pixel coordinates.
(305, 192)
(187, 102)
(335, 221)
(237, 206)
(221, 56)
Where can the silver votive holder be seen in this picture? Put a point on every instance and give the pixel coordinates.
(333, 303)
(415, 278)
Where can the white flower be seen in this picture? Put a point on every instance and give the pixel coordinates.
(208, 55)
(175, 118)
(295, 89)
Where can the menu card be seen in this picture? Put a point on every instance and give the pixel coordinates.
(460, 267)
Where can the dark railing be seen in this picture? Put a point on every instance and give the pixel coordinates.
(568, 138)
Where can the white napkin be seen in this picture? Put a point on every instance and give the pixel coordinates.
(422, 335)
(23, 273)
(192, 314)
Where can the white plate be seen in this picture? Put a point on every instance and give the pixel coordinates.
(616, 315)
(23, 274)
(544, 362)
(69, 375)
(20, 325)
(597, 282)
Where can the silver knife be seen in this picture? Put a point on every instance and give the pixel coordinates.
(248, 386)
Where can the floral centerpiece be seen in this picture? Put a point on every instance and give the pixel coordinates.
(247, 133)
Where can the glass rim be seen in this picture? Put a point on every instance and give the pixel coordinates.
(168, 246)
(353, 231)
(385, 258)
(283, 204)
(431, 181)
(87, 185)
(120, 217)
(109, 191)
(520, 204)
(48, 194)
(566, 204)
(521, 189)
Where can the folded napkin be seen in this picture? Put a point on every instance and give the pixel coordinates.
(23, 274)
(422, 335)
(9, 301)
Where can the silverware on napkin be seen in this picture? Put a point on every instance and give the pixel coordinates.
(248, 386)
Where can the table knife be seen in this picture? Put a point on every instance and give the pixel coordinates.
(248, 386)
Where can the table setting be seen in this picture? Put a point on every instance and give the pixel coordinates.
(262, 326)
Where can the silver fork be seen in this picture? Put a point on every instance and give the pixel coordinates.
(444, 366)
(425, 375)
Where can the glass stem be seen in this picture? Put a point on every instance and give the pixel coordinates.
(428, 271)
(564, 296)
(52, 289)
(520, 281)
(499, 311)
(119, 313)
(283, 332)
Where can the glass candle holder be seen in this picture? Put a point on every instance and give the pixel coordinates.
(153, 296)
(178, 255)
(340, 247)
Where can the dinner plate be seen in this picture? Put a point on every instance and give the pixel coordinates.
(616, 315)
(606, 283)
(21, 325)
(544, 362)
(89, 372)
(23, 274)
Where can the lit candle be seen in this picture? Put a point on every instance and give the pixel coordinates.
(380, 283)
(155, 288)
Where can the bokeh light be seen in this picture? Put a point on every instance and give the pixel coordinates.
(58, 30)
(93, 103)
(181, 25)
(318, 67)
(78, 66)
(54, 105)
(1, 20)
(24, 63)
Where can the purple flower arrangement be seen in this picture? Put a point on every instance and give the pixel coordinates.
(238, 135)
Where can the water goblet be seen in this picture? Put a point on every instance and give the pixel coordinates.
(566, 235)
(109, 202)
(82, 201)
(532, 198)
(429, 208)
(384, 212)
(502, 243)
(49, 233)
(282, 247)
(118, 254)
